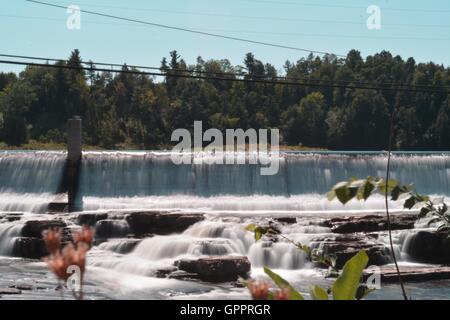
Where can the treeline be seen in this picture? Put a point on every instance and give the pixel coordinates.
(134, 111)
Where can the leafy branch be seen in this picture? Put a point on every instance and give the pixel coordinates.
(363, 189)
(346, 287)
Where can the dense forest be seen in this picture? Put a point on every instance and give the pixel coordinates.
(136, 111)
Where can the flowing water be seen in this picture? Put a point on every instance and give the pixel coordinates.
(231, 196)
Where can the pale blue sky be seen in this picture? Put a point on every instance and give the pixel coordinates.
(409, 27)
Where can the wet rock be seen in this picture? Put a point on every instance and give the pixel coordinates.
(9, 291)
(217, 269)
(161, 223)
(286, 220)
(23, 286)
(34, 228)
(427, 247)
(90, 219)
(370, 223)
(109, 228)
(344, 247)
(31, 248)
(12, 216)
(410, 273)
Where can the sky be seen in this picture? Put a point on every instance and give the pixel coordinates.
(420, 29)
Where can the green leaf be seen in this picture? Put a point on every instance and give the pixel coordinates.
(366, 190)
(345, 193)
(390, 185)
(398, 190)
(424, 212)
(283, 284)
(363, 291)
(319, 293)
(413, 200)
(331, 195)
(345, 287)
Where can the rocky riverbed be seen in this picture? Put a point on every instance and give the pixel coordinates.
(160, 254)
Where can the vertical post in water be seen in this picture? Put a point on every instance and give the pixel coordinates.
(74, 153)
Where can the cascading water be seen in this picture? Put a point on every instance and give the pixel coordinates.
(151, 180)
(29, 180)
(230, 196)
(8, 233)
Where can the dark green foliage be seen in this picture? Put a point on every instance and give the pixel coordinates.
(135, 111)
(436, 211)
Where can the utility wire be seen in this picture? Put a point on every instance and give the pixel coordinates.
(188, 76)
(266, 18)
(292, 34)
(321, 5)
(185, 29)
(217, 73)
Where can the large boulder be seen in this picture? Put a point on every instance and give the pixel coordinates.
(344, 247)
(31, 244)
(216, 269)
(90, 219)
(370, 223)
(31, 248)
(427, 247)
(161, 223)
(35, 228)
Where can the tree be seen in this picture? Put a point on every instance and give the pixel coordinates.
(305, 123)
(15, 101)
(124, 108)
(367, 121)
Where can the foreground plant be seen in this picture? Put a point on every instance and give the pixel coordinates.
(436, 211)
(66, 260)
(347, 286)
(362, 189)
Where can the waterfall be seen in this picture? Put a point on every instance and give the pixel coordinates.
(8, 234)
(29, 180)
(151, 180)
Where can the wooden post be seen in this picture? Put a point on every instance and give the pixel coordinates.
(74, 154)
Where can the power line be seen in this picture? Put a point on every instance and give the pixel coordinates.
(187, 76)
(256, 31)
(266, 18)
(186, 29)
(213, 73)
(321, 5)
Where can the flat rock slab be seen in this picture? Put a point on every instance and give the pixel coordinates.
(412, 273)
(23, 287)
(216, 269)
(6, 291)
(161, 222)
(370, 223)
